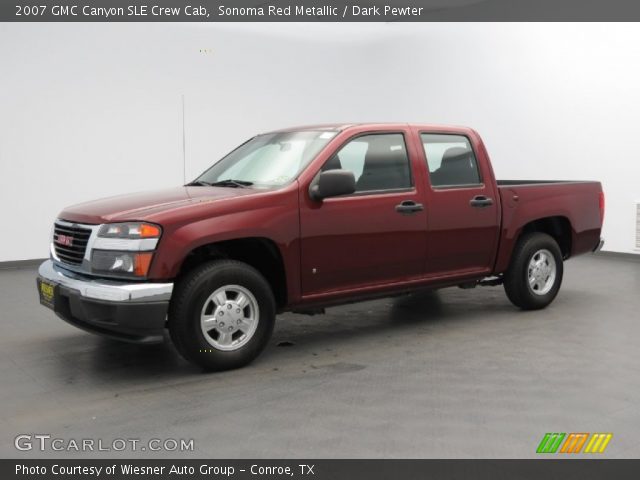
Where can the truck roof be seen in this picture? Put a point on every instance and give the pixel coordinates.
(337, 127)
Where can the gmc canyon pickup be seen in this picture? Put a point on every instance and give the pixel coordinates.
(303, 218)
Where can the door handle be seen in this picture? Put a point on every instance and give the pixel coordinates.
(480, 201)
(408, 207)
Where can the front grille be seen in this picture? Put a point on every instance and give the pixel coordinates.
(70, 242)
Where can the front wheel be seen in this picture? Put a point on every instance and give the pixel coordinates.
(535, 273)
(221, 315)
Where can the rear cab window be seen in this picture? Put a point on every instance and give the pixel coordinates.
(450, 160)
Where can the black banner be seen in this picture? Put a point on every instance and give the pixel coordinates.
(318, 10)
(582, 469)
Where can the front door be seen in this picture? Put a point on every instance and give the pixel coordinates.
(374, 236)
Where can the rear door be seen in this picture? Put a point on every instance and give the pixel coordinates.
(463, 206)
(374, 236)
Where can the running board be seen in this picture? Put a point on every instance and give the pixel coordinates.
(485, 282)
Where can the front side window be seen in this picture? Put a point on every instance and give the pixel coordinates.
(268, 160)
(450, 160)
(378, 161)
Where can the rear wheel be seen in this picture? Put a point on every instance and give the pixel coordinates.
(535, 273)
(221, 315)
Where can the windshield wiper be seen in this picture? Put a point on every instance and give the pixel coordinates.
(231, 183)
(220, 183)
(198, 183)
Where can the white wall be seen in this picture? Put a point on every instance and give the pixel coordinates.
(95, 110)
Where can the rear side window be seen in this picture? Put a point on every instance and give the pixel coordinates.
(450, 160)
(378, 161)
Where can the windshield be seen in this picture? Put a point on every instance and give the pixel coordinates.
(268, 160)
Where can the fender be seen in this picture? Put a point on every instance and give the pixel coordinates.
(275, 219)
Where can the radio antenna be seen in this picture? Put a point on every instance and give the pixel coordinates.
(184, 147)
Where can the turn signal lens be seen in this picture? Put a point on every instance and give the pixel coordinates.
(149, 231)
(142, 262)
(602, 206)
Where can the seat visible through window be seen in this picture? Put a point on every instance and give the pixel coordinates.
(378, 162)
(457, 168)
(450, 160)
(386, 166)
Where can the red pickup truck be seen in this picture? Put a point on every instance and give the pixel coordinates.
(303, 218)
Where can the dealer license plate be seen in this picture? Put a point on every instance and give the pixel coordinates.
(47, 293)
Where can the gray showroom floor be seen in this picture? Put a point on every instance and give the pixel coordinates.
(455, 373)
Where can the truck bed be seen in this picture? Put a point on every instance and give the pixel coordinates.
(576, 204)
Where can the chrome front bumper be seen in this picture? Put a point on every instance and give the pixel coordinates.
(105, 290)
(131, 312)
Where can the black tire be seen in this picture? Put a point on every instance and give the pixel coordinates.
(188, 301)
(516, 279)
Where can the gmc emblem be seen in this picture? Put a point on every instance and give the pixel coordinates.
(65, 240)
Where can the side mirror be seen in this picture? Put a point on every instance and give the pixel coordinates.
(331, 184)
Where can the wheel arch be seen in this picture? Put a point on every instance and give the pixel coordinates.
(261, 253)
(558, 227)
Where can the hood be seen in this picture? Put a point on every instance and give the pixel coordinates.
(139, 206)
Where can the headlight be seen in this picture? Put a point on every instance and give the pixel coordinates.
(130, 230)
(125, 249)
(135, 264)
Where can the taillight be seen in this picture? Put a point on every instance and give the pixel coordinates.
(601, 206)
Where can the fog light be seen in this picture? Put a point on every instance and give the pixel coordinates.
(121, 263)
